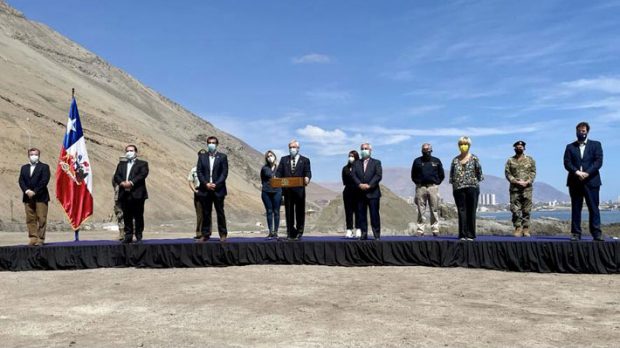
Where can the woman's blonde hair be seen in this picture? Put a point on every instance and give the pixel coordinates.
(464, 140)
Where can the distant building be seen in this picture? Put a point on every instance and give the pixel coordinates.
(488, 199)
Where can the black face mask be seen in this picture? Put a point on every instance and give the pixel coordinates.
(519, 151)
(426, 154)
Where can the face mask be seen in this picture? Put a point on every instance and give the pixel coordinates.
(211, 147)
(293, 151)
(426, 154)
(130, 155)
(464, 148)
(519, 151)
(351, 159)
(271, 159)
(34, 159)
(581, 136)
(365, 154)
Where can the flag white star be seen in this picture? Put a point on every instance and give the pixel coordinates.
(71, 126)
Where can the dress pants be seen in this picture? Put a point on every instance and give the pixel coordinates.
(351, 210)
(466, 200)
(210, 200)
(591, 194)
(133, 218)
(36, 220)
(199, 215)
(364, 205)
(295, 211)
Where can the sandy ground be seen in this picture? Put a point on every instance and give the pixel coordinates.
(305, 306)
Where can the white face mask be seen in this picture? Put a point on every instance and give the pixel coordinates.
(271, 159)
(130, 155)
(293, 151)
(34, 159)
(351, 159)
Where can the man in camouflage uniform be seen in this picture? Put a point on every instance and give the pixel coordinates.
(520, 172)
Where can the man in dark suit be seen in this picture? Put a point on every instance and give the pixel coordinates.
(130, 176)
(33, 180)
(367, 173)
(294, 165)
(212, 170)
(583, 159)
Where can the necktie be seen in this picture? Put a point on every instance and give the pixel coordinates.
(294, 165)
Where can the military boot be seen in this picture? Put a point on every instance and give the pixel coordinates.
(518, 232)
(526, 232)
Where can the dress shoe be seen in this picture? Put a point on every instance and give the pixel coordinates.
(598, 239)
(575, 238)
(203, 239)
(223, 239)
(197, 237)
(518, 232)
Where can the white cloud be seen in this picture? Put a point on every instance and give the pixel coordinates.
(312, 58)
(602, 84)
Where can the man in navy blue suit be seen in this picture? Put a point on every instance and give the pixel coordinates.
(294, 165)
(212, 170)
(33, 180)
(583, 159)
(366, 174)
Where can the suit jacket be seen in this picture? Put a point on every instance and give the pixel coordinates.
(591, 163)
(220, 173)
(302, 169)
(37, 182)
(137, 175)
(372, 176)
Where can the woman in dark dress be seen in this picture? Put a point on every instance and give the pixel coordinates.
(350, 196)
(272, 197)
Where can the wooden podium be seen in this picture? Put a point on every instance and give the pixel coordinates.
(295, 181)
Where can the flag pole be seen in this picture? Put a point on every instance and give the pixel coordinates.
(76, 232)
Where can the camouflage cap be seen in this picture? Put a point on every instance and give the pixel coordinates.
(520, 142)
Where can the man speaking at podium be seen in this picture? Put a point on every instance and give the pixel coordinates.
(295, 165)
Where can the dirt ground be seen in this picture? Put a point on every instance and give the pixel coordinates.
(304, 306)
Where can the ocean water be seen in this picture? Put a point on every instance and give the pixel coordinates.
(607, 216)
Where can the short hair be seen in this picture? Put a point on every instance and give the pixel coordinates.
(293, 142)
(583, 124)
(355, 154)
(464, 140)
(430, 147)
(34, 149)
(135, 148)
(369, 146)
(269, 152)
(217, 142)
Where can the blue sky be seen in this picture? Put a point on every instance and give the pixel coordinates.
(334, 74)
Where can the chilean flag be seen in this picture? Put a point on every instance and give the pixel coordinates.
(74, 178)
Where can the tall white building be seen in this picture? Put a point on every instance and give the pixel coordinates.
(488, 199)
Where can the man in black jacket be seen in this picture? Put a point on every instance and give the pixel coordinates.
(583, 159)
(130, 176)
(33, 180)
(367, 173)
(212, 170)
(294, 165)
(427, 174)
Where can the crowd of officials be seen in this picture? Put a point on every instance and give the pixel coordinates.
(361, 177)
